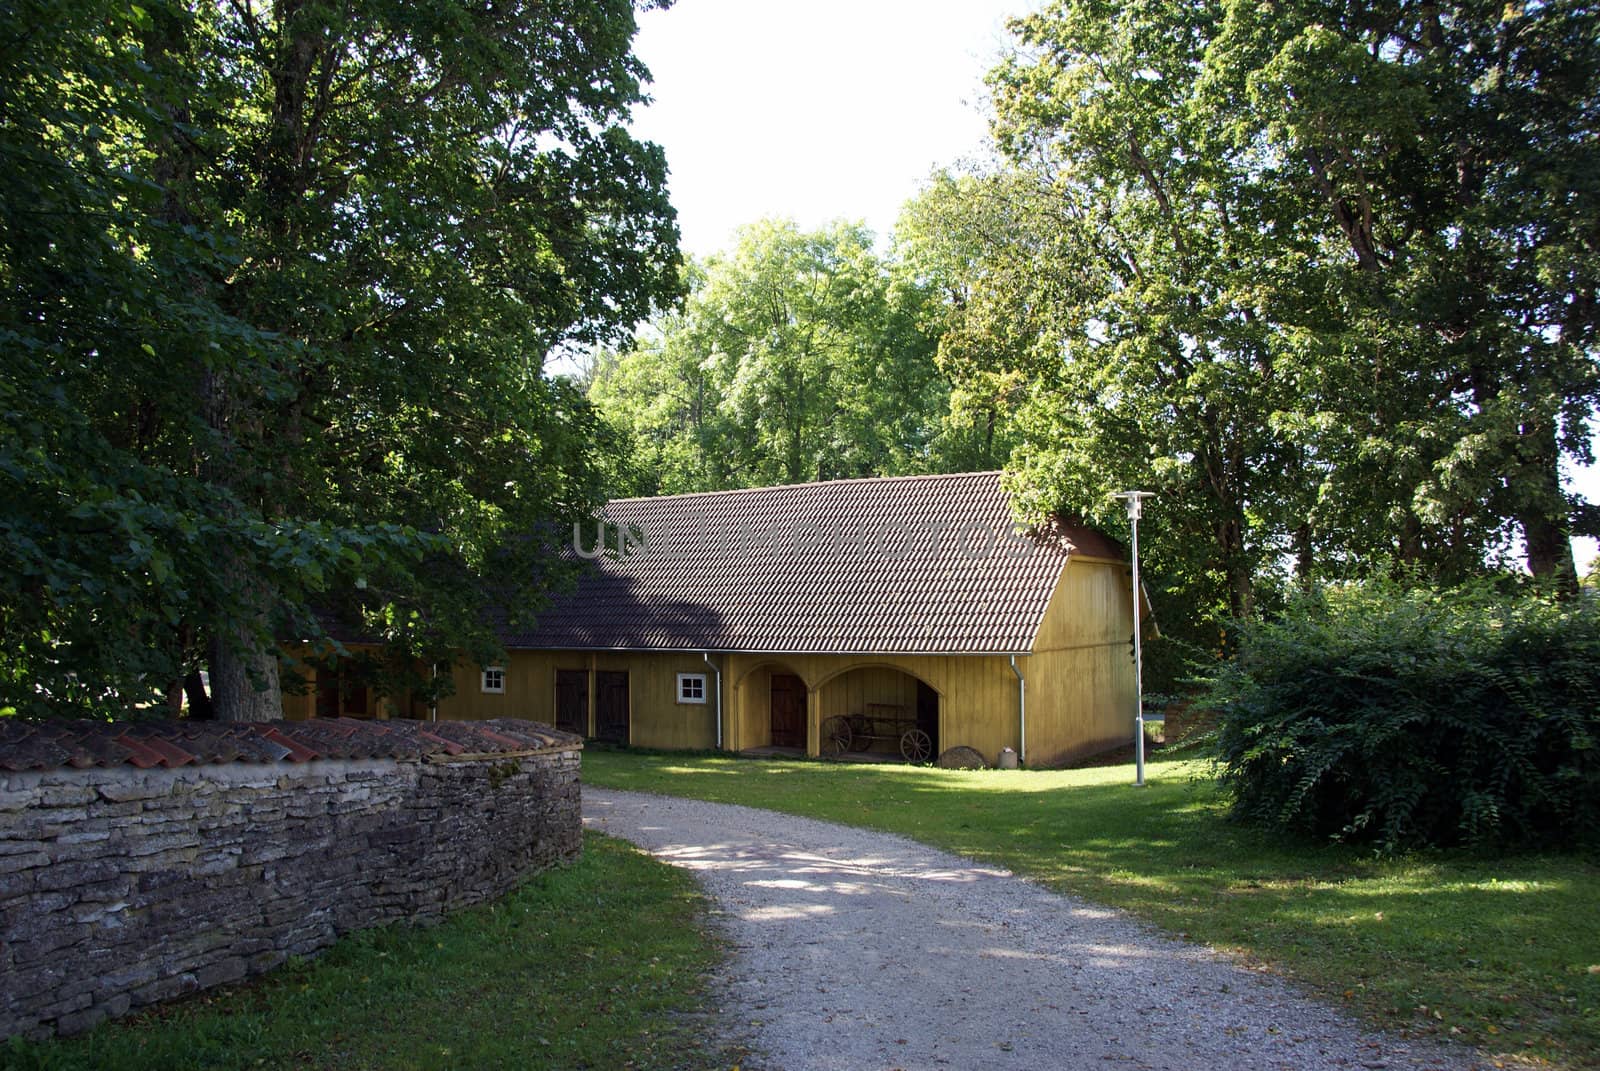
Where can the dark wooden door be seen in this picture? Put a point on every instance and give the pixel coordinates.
(572, 701)
(327, 694)
(611, 705)
(788, 711)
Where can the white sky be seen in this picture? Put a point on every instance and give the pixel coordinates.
(815, 111)
(824, 110)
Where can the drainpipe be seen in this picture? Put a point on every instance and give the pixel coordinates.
(1022, 714)
(706, 656)
(433, 695)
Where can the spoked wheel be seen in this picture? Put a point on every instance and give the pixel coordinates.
(836, 737)
(916, 745)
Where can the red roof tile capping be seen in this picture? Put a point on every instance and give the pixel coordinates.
(899, 565)
(50, 745)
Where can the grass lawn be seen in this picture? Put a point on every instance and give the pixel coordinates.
(1502, 953)
(591, 966)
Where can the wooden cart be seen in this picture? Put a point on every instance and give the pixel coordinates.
(875, 722)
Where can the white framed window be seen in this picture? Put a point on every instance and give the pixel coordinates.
(494, 680)
(691, 687)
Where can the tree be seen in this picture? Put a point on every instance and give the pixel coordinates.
(798, 356)
(948, 241)
(1172, 266)
(1443, 159)
(1109, 284)
(280, 284)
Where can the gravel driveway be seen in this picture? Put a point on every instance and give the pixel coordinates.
(866, 951)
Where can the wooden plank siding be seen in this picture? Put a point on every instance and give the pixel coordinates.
(323, 688)
(1080, 675)
(656, 718)
(977, 694)
(854, 690)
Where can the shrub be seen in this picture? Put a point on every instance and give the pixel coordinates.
(1409, 718)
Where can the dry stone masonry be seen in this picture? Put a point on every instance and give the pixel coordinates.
(140, 863)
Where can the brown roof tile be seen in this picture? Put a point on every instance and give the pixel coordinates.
(51, 745)
(905, 565)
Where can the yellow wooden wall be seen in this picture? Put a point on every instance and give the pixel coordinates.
(1080, 675)
(977, 695)
(854, 690)
(749, 687)
(1080, 685)
(656, 718)
(300, 706)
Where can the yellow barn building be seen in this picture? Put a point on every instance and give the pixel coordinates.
(900, 615)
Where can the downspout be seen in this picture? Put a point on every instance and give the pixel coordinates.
(1022, 714)
(433, 693)
(706, 656)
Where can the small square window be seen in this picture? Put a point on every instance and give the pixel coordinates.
(691, 687)
(494, 680)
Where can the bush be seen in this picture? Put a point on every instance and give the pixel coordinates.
(1410, 718)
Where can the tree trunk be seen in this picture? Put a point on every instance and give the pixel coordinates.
(244, 658)
(1550, 552)
(244, 678)
(1241, 590)
(1236, 568)
(1409, 547)
(1304, 556)
(244, 673)
(1543, 512)
(234, 680)
(194, 688)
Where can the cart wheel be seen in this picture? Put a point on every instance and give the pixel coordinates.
(836, 737)
(861, 731)
(916, 746)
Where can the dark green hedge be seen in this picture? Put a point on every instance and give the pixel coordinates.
(1409, 718)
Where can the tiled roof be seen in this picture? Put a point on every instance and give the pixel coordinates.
(906, 565)
(53, 744)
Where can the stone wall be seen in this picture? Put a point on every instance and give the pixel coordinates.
(122, 886)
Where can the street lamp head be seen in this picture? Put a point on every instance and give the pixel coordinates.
(1135, 501)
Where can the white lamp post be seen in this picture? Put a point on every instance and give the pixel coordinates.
(1135, 502)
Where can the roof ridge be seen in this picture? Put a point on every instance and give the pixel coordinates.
(929, 476)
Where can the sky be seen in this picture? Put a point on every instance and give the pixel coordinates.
(816, 111)
(828, 109)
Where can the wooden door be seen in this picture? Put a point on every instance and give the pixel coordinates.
(611, 705)
(788, 711)
(928, 713)
(572, 701)
(327, 693)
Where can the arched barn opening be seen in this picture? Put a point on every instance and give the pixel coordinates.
(773, 700)
(879, 712)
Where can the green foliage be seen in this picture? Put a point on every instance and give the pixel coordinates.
(1322, 276)
(974, 305)
(1432, 170)
(1107, 289)
(1411, 718)
(279, 282)
(798, 356)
